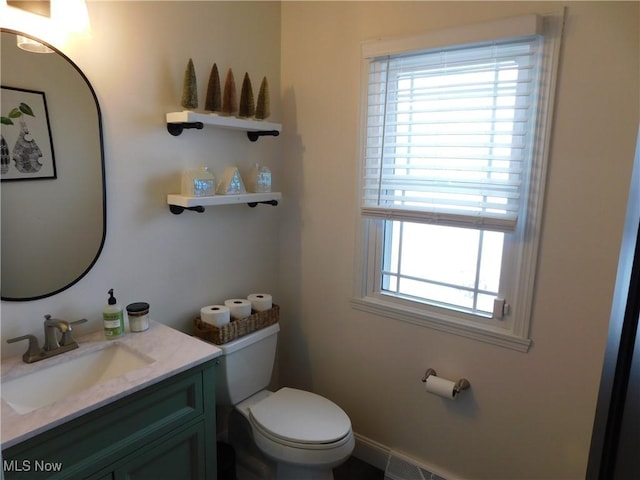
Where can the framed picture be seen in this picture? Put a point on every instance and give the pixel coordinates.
(26, 146)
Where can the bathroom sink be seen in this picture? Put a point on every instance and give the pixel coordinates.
(48, 384)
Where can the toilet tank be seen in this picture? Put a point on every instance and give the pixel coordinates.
(246, 365)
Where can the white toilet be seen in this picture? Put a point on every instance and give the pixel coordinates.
(303, 434)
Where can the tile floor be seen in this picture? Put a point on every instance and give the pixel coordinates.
(355, 469)
(352, 469)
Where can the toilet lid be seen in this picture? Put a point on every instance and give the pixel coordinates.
(302, 417)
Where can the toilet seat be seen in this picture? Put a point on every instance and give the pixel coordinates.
(301, 419)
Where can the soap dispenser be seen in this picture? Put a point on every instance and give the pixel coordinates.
(113, 318)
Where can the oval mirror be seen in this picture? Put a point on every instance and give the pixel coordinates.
(52, 188)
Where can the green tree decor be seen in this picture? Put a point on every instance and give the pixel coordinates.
(263, 108)
(190, 88)
(213, 102)
(247, 105)
(230, 98)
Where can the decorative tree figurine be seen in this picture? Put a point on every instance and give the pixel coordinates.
(229, 99)
(263, 108)
(247, 105)
(213, 102)
(190, 88)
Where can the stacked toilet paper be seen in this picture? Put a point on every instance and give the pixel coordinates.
(235, 309)
(216, 315)
(239, 307)
(260, 301)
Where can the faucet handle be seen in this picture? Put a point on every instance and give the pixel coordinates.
(78, 322)
(33, 351)
(61, 325)
(67, 338)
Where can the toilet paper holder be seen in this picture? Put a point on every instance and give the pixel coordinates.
(462, 384)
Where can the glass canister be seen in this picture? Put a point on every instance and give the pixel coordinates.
(138, 314)
(198, 183)
(260, 181)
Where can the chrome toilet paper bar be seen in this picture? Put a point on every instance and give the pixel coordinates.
(462, 384)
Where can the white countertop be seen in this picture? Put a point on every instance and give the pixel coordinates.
(170, 351)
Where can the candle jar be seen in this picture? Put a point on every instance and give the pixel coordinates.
(138, 314)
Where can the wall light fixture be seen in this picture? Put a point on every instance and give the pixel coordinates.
(63, 21)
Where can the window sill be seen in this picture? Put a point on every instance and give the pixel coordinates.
(478, 332)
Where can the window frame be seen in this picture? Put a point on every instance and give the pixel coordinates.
(383, 276)
(520, 247)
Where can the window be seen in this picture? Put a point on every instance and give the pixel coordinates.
(453, 167)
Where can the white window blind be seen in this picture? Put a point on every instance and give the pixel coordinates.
(448, 134)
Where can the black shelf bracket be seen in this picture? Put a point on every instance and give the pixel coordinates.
(273, 203)
(254, 136)
(176, 129)
(177, 209)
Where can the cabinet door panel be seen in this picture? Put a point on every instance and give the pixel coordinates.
(181, 456)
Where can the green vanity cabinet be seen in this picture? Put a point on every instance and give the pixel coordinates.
(165, 431)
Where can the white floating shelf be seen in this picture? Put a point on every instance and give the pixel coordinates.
(179, 203)
(177, 121)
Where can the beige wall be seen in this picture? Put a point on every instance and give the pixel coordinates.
(527, 415)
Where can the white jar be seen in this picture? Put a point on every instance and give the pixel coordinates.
(138, 314)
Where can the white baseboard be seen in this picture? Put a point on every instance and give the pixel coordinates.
(377, 454)
(372, 452)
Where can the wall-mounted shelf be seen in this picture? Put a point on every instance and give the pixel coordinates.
(179, 203)
(178, 121)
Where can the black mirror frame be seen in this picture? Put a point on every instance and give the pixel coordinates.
(102, 167)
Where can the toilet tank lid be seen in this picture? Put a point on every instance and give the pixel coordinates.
(248, 339)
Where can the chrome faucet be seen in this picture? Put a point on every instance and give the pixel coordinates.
(52, 345)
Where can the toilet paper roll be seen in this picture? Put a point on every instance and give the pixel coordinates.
(216, 315)
(239, 307)
(440, 386)
(260, 301)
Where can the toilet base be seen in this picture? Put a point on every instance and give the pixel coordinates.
(252, 464)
